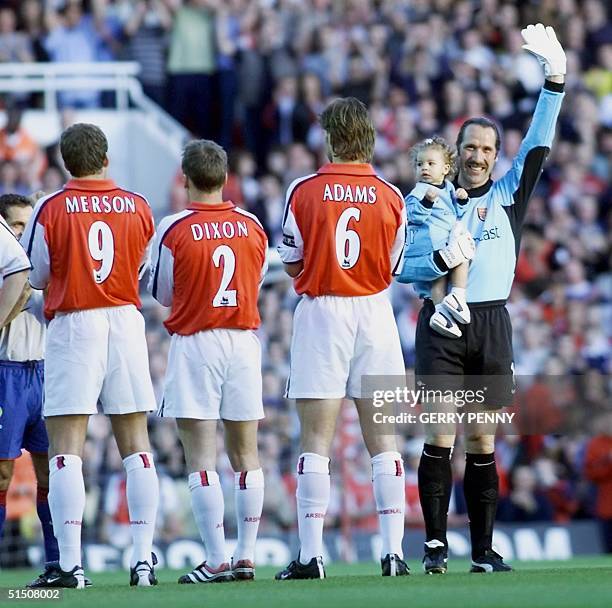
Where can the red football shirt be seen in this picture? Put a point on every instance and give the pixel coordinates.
(347, 225)
(208, 263)
(87, 243)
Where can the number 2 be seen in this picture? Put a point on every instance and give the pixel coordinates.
(102, 249)
(225, 297)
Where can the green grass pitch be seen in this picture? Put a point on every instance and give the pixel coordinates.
(580, 582)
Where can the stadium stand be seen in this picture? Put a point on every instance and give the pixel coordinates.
(254, 75)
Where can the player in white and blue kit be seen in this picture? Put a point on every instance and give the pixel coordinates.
(433, 208)
(22, 342)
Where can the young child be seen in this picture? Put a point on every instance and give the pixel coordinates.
(433, 208)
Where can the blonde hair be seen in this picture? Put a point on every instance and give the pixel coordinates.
(439, 143)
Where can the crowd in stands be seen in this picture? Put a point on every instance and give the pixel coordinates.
(254, 75)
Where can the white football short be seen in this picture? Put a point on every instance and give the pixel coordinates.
(97, 355)
(214, 374)
(337, 341)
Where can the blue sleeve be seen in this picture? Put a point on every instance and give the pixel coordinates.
(418, 208)
(461, 207)
(517, 185)
(458, 206)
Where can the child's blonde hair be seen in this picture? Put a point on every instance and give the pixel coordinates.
(449, 152)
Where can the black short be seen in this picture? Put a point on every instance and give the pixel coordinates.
(480, 358)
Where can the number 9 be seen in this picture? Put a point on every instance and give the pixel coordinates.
(102, 249)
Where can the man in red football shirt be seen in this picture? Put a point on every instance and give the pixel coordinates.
(87, 243)
(343, 239)
(208, 264)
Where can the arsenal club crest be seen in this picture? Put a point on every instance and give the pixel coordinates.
(482, 213)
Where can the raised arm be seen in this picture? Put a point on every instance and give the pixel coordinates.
(518, 184)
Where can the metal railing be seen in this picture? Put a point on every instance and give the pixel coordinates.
(119, 77)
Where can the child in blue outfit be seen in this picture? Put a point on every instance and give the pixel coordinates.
(434, 208)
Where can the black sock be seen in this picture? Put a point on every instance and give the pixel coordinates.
(481, 487)
(435, 485)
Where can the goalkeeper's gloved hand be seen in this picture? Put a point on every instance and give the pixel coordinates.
(460, 246)
(542, 42)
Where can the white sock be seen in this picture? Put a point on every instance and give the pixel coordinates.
(142, 489)
(67, 503)
(313, 487)
(249, 495)
(208, 507)
(459, 292)
(389, 494)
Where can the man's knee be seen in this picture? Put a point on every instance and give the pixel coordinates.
(241, 444)
(199, 440)
(315, 442)
(441, 441)
(318, 419)
(131, 433)
(480, 444)
(380, 444)
(131, 445)
(6, 474)
(243, 460)
(66, 434)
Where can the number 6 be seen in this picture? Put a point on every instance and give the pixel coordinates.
(348, 245)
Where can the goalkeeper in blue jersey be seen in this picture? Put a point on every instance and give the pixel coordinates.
(433, 208)
(482, 356)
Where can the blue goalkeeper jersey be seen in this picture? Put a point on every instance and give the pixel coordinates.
(495, 212)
